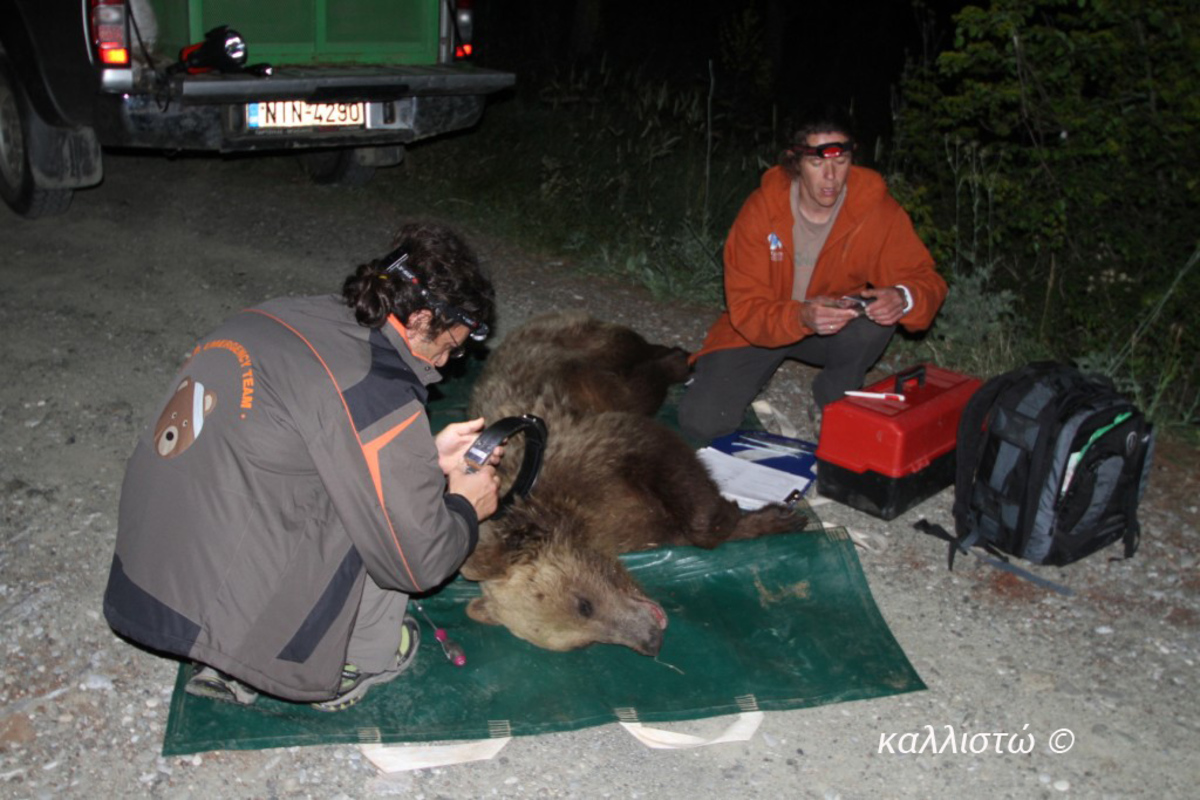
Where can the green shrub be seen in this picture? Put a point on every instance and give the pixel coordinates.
(1055, 149)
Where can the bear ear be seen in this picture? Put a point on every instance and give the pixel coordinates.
(210, 402)
(479, 610)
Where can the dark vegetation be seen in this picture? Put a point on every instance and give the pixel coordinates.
(1046, 150)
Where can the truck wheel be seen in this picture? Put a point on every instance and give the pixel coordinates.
(327, 167)
(18, 185)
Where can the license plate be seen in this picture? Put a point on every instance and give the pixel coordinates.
(298, 114)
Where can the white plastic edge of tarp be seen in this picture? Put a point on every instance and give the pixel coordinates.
(390, 758)
(744, 726)
(404, 757)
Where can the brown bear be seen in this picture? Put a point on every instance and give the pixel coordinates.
(566, 365)
(614, 480)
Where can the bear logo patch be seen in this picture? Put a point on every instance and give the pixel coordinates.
(182, 420)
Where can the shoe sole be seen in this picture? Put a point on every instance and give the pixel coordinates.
(352, 697)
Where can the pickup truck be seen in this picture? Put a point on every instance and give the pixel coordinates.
(345, 84)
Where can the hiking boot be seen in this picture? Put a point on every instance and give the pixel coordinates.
(208, 682)
(356, 683)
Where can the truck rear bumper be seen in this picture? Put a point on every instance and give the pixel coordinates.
(339, 84)
(209, 112)
(139, 121)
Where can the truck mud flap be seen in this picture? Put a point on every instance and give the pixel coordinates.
(63, 158)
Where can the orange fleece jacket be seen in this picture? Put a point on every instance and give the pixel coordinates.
(872, 243)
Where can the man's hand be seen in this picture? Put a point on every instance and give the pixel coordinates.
(481, 488)
(888, 307)
(823, 316)
(454, 441)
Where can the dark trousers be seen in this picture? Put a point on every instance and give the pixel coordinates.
(725, 382)
(377, 628)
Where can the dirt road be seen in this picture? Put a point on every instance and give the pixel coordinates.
(97, 309)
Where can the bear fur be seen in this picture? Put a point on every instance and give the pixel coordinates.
(565, 366)
(614, 480)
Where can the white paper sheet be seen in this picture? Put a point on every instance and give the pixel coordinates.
(750, 485)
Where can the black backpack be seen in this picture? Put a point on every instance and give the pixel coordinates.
(1051, 465)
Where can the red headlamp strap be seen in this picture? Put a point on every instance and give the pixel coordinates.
(827, 150)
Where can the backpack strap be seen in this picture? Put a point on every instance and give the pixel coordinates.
(938, 532)
(996, 560)
(969, 447)
(1133, 529)
(1008, 566)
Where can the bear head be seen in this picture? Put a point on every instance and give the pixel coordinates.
(551, 590)
(182, 420)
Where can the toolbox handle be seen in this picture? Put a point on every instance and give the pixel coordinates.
(912, 373)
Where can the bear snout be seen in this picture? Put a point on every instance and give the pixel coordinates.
(653, 621)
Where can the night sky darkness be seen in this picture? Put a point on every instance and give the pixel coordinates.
(848, 54)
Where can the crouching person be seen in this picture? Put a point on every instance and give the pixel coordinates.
(821, 265)
(289, 494)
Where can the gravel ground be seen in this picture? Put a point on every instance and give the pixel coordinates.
(97, 309)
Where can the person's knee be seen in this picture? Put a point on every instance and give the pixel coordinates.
(860, 346)
(871, 339)
(847, 368)
(701, 420)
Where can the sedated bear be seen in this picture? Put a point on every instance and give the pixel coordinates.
(613, 480)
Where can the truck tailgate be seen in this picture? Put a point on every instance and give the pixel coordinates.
(310, 31)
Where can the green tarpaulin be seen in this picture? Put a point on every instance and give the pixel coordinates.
(778, 623)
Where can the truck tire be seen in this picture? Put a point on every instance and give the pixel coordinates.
(340, 167)
(18, 185)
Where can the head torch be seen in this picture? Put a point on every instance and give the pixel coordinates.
(223, 50)
(827, 150)
(478, 330)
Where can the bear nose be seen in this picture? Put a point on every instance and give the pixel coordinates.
(651, 644)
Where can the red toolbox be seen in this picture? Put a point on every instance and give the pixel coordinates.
(885, 455)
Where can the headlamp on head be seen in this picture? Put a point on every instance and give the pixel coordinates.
(398, 260)
(827, 150)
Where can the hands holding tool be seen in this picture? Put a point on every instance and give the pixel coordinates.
(826, 315)
(884, 306)
(481, 487)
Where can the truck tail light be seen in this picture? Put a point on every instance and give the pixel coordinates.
(110, 32)
(464, 24)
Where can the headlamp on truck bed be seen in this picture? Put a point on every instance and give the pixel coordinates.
(223, 50)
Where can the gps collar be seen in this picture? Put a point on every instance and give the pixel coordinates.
(494, 435)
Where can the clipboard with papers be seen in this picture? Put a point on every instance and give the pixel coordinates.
(754, 468)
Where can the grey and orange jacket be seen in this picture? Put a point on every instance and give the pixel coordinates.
(291, 458)
(872, 243)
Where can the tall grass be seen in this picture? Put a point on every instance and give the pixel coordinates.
(979, 329)
(993, 321)
(621, 174)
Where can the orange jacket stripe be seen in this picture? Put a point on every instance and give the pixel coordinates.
(371, 457)
(371, 452)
